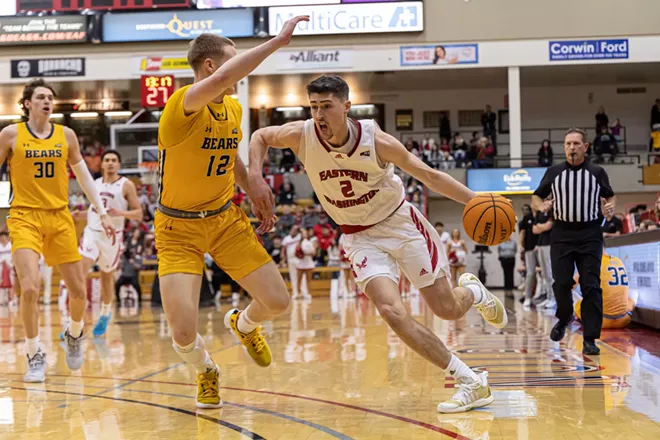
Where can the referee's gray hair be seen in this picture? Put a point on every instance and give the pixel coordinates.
(578, 131)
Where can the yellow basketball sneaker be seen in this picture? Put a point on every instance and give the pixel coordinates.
(470, 395)
(490, 307)
(254, 343)
(208, 389)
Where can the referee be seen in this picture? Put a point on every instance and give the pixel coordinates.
(574, 190)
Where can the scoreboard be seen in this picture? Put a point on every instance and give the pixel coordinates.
(76, 5)
(155, 90)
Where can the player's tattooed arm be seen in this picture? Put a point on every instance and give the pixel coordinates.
(7, 141)
(390, 150)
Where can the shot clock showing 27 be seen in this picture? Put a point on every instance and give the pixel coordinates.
(156, 90)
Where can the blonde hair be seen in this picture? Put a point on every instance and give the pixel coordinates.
(207, 46)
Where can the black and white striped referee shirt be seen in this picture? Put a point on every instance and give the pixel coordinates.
(576, 192)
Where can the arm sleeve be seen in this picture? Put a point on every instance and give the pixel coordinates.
(87, 184)
(604, 182)
(545, 186)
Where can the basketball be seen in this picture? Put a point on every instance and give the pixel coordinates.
(489, 219)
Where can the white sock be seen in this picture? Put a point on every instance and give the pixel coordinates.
(459, 370)
(106, 309)
(75, 328)
(196, 355)
(476, 292)
(32, 346)
(245, 325)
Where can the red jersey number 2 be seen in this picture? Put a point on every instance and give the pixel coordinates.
(347, 188)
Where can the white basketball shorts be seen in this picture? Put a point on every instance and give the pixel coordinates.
(96, 246)
(405, 239)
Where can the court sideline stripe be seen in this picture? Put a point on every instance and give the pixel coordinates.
(329, 402)
(321, 428)
(239, 429)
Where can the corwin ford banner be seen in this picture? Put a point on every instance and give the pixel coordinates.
(177, 25)
(439, 55)
(351, 18)
(589, 50)
(505, 180)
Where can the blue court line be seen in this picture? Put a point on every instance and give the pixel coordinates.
(146, 376)
(321, 428)
(239, 429)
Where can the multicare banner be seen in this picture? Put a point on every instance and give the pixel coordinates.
(440, 55)
(505, 180)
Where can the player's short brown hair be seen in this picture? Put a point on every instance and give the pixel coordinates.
(579, 131)
(206, 46)
(28, 91)
(334, 84)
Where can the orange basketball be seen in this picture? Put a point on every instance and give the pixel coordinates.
(489, 219)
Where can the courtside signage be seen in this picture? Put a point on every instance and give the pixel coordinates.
(214, 4)
(351, 18)
(43, 30)
(178, 25)
(505, 180)
(440, 55)
(589, 50)
(41, 67)
(314, 59)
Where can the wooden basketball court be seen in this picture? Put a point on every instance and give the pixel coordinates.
(338, 372)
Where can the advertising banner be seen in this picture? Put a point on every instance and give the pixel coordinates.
(314, 59)
(589, 50)
(440, 54)
(505, 180)
(163, 64)
(78, 5)
(642, 263)
(351, 18)
(178, 25)
(32, 68)
(215, 4)
(43, 30)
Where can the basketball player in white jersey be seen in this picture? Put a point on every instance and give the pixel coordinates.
(121, 200)
(351, 167)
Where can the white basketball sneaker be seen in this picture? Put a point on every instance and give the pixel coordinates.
(74, 350)
(36, 368)
(490, 307)
(470, 395)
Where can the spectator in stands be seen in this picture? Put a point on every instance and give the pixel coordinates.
(285, 221)
(654, 144)
(324, 240)
(612, 225)
(134, 245)
(290, 244)
(485, 154)
(528, 243)
(311, 217)
(287, 195)
(305, 254)
(324, 222)
(604, 143)
(413, 146)
(239, 196)
(426, 141)
(300, 213)
(459, 148)
(444, 235)
(601, 120)
(288, 162)
(655, 114)
(507, 256)
(488, 120)
(130, 274)
(615, 129)
(276, 251)
(149, 252)
(445, 126)
(416, 200)
(545, 154)
(447, 161)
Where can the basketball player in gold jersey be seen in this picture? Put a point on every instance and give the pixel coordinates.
(198, 139)
(39, 220)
